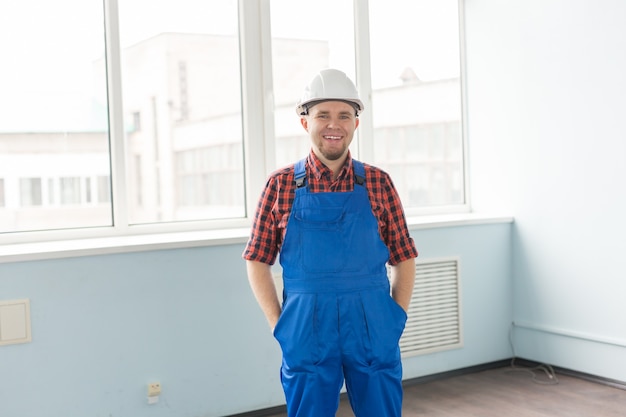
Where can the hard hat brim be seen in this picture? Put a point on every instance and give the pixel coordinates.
(302, 108)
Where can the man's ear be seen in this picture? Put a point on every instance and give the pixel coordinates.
(305, 123)
(356, 123)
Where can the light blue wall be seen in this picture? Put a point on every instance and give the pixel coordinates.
(105, 326)
(546, 110)
(486, 294)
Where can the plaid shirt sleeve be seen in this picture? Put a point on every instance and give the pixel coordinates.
(270, 219)
(388, 210)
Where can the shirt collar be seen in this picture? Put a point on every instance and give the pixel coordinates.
(318, 169)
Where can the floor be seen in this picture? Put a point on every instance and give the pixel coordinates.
(508, 392)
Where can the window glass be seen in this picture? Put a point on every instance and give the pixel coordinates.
(416, 99)
(51, 126)
(304, 42)
(1, 192)
(182, 109)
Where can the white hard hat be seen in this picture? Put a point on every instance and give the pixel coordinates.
(329, 84)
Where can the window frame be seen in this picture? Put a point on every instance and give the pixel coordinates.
(258, 126)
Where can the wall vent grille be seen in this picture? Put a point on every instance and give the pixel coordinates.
(434, 316)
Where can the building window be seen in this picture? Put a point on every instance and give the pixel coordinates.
(183, 103)
(206, 179)
(136, 121)
(51, 192)
(30, 192)
(70, 190)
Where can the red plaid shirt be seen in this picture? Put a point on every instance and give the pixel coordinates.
(274, 207)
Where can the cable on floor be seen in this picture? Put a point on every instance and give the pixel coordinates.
(536, 373)
(541, 374)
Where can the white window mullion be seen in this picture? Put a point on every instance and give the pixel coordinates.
(257, 91)
(364, 79)
(119, 192)
(464, 124)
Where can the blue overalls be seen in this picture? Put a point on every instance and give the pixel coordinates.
(338, 318)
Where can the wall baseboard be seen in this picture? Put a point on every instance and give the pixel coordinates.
(457, 372)
(263, 412)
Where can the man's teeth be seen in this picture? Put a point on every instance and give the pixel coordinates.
(333, 137)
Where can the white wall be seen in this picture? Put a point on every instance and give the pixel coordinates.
(546, 104)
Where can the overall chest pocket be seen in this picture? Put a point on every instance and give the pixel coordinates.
(324, 238)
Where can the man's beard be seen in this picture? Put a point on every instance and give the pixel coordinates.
(332, 154)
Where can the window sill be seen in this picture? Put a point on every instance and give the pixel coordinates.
(125, 244)
(119, 244)
(453, 220)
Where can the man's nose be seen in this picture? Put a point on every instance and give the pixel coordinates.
(333, 121)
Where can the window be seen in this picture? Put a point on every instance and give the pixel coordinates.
(300, 48)
(416, 100)
(174, 123)
(51, 192)
(136, 123)
(51, 126)
(70, 191)
(181, 73)
(30, 192)
(88, 191)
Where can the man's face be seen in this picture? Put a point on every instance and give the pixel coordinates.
(331, 126)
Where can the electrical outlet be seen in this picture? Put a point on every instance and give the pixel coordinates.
(154, 389)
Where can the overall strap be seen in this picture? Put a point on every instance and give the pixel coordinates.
(359, 172)
(300, 173)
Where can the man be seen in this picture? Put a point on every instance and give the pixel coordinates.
(336, 223)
